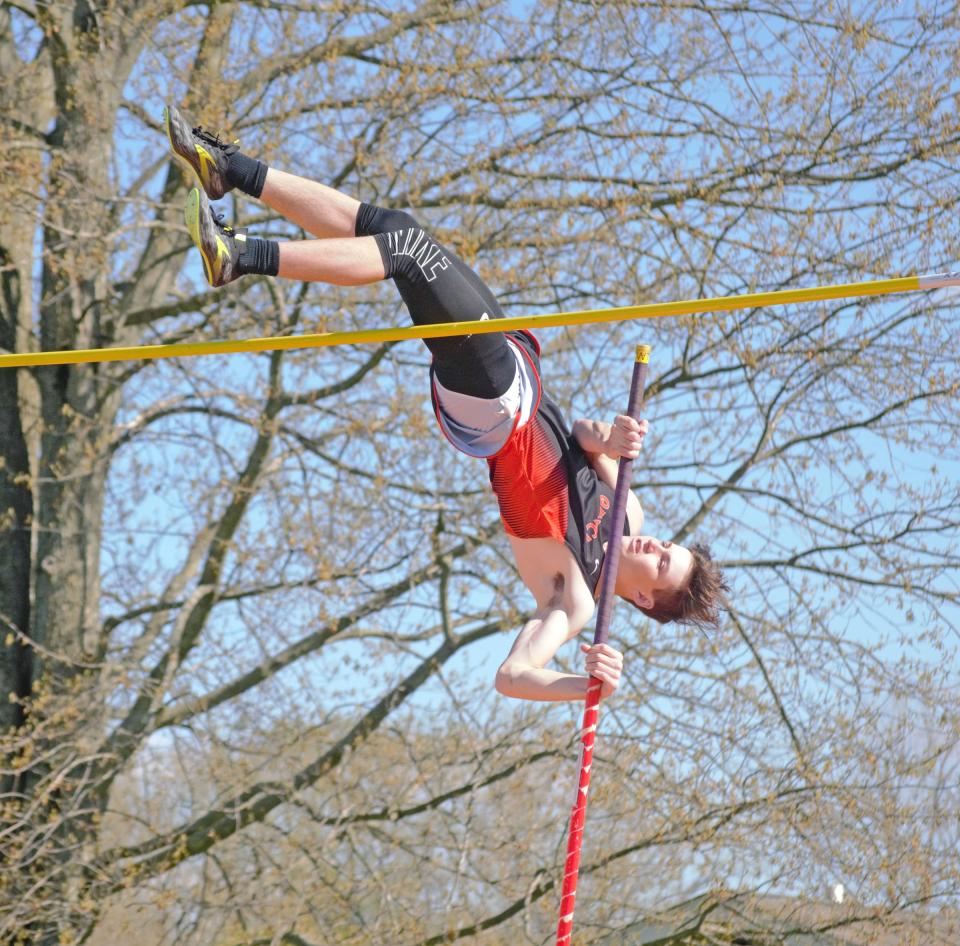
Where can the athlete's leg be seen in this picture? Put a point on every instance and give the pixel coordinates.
(342, 261)
(320, 210)
(228, 253)
(434, 284)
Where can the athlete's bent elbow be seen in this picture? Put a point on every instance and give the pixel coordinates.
(505, 683)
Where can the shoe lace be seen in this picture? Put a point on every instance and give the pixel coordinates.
(218, 218)
(228, 147)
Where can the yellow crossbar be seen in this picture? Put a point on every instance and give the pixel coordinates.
(376, 335)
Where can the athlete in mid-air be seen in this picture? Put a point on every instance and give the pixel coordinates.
(554, 485)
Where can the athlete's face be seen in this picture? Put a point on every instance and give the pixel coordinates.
(649, 566)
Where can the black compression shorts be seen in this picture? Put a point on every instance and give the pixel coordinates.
(437, 286)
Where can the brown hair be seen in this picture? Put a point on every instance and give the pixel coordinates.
(698, 602)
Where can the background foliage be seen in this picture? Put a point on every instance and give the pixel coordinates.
(253, 605)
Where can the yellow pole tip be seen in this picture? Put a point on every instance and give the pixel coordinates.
(643, 354)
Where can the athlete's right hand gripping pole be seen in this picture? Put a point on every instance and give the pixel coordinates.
(591, 712)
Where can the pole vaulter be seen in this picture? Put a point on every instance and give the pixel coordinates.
(651, 310)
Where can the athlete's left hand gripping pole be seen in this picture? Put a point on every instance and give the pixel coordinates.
(591, 712)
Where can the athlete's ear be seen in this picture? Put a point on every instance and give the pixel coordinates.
(643, 600)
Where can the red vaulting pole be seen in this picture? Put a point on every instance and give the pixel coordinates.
(591, 711)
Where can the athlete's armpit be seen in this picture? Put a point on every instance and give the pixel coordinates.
(606, 470)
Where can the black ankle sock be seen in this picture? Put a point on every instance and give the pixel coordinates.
(248, 174)
(259, 256)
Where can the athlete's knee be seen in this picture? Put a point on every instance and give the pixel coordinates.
(412, 255)
(372, 220)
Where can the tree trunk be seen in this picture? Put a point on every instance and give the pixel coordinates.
(28, 102)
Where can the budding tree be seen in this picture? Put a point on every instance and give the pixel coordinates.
(252, 605)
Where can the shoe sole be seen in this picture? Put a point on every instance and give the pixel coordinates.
(184, 147)
(196, 214)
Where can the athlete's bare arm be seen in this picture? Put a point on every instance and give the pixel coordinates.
(524, 675)
(564, 606)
